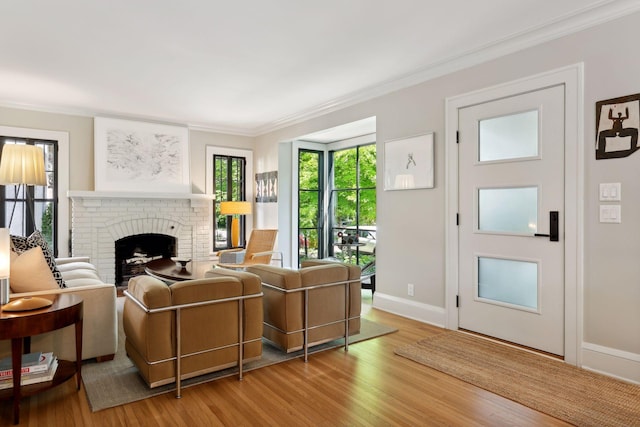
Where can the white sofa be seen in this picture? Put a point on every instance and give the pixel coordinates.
(100, 324)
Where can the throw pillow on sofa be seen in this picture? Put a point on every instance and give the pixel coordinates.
(30, 272)
(21, 244)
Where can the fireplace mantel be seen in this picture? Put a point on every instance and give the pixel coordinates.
(92, 196)
(100, 218)
(136, 195)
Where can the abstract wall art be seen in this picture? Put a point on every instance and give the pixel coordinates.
(140, 156)
(267, 187)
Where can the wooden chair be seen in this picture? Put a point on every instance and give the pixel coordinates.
(259, 250)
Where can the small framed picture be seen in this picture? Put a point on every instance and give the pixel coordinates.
(267, 187)
(408, 163)
(617, 124)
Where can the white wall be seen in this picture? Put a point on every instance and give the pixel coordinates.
(411, 224)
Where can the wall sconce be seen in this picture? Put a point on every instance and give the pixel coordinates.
(235, 208)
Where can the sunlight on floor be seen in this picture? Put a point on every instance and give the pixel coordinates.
(367, 301)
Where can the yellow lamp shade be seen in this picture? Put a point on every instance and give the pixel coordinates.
(235, 208)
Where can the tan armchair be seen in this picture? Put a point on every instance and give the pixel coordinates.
(259, 250)
(192, 327)
(310, 306)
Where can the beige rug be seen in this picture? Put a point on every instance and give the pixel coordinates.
(117, 382)
(550, 386)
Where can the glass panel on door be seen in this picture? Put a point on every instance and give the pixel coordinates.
(508, 281)
(509, 137)
(508, 210)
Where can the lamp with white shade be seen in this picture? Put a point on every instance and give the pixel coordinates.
(22, 165)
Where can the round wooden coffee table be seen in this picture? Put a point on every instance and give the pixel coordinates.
(167, 270)
(20, 326)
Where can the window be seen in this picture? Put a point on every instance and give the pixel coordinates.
(348, 231)
(353, 204)
(229, 184)
(310, 209)
(21, 205)
(327, 184)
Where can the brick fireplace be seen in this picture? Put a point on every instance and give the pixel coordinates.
(99, 219)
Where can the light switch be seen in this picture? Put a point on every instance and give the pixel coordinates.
(611, 214)
(611, 192)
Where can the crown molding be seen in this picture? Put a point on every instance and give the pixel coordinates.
(600, 13)
(91, 113)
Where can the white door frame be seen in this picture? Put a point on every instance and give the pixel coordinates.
(572, 78)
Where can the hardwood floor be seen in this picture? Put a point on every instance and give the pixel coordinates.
(368, 386)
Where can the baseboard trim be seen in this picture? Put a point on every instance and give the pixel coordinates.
(413, 310)
(616, 363)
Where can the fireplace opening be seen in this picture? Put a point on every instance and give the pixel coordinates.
(133, 253)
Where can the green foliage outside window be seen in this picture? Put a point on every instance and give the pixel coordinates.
(352, 189)
(47, 224)
(353, 180)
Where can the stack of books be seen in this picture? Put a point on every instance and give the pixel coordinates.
(36, 368)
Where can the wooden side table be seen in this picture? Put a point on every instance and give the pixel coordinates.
(20, 326)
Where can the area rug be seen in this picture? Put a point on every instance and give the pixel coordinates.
(117, 382)
(574, 395)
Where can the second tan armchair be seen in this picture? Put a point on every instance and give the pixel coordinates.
(310, 306)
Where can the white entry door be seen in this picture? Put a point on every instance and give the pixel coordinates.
(511, 226)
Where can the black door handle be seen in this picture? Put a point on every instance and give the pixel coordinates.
(554, 234)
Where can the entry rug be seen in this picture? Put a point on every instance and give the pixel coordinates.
(547, 385)
(117, 382)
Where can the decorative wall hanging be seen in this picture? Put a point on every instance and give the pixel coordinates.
(617, 124)
(267, 187)
(408, 163)
(139, 156)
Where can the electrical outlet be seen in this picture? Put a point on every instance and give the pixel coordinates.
(410, 289)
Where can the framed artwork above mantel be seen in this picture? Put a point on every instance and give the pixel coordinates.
(140, 156)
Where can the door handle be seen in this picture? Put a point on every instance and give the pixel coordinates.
(553, 227)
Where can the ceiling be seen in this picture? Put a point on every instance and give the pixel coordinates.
(251, 66)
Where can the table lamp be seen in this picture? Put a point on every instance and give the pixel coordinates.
(5, 263)
(22, 165)
(235, 208)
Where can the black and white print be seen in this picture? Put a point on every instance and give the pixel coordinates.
(141, 156)
(617, 124)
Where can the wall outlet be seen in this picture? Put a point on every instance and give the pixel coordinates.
(410, 289)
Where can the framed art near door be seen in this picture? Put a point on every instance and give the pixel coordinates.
(408, 163)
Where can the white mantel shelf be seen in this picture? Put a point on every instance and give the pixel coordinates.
(135, 195)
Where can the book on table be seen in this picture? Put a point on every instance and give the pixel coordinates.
(30, 362)
(45, 372)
